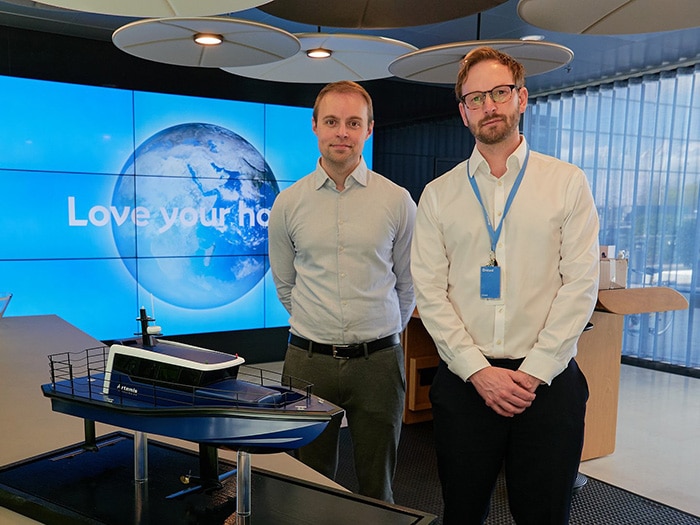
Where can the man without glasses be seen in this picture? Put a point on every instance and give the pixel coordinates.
(339, 251)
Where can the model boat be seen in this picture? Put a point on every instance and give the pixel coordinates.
(182, 391)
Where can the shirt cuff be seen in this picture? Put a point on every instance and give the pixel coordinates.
(467, 363)
(542, 366)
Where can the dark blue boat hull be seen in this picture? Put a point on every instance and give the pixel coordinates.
(261, 430)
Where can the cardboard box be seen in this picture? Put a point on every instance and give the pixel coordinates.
(613, 274)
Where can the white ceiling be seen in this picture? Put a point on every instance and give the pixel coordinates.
(595, 57)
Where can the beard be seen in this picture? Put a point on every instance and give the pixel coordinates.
(498, 133)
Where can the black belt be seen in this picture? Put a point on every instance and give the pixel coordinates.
(345, 351)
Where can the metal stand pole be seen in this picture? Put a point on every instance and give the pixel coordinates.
(90, 439)
(141, 510)
(141, 478)
(243, 488)
(209, 466)
(140, 457)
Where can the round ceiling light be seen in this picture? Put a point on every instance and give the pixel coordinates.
(172, 41)
(319, 53)
(379, 14)
(353, 57)
(440, 64)
(610, 17)
(156, 8)
(208, 39)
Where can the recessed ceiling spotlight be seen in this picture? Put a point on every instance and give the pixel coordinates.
(532, 38)
(319, 52)
(208, 39)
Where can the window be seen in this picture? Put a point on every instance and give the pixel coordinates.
(638, 141)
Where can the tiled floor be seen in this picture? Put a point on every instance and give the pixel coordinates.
(657, 452)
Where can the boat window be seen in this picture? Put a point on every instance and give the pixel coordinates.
(147, 369)
(127, 364)
(190, 377)
(168, 373)
(133, 366)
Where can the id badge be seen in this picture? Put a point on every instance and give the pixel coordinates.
(490, 282)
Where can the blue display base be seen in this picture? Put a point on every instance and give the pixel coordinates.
(76, 486)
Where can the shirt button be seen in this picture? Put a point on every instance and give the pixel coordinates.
(499, 342)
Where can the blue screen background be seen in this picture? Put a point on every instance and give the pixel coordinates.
(64, 150)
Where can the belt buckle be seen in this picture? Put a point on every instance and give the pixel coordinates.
(335, 349)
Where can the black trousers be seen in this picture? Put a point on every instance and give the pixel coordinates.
(540, 449)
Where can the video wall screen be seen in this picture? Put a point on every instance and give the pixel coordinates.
(116, 199)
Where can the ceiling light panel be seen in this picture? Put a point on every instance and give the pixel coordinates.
(440, 64)
(610, 17)
(171, 41)
(156, 8)
(354, 57)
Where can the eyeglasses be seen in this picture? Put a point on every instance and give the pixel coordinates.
(499, 95)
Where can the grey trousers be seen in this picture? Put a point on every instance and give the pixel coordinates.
(371, 390)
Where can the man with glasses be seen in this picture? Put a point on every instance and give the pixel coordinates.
(505, 269)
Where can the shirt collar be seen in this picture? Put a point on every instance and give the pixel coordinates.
(478, 164)
(360, 174)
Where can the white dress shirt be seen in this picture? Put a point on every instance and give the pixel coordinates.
(547, 252)
(341, 259)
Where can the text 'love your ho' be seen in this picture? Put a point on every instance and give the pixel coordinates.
(187, 217)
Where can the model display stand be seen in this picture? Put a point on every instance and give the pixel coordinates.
(122, 477)
(96, 485)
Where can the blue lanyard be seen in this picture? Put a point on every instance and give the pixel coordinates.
(495, 234)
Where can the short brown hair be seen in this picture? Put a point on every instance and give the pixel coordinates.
(481, 54)
(345, 86)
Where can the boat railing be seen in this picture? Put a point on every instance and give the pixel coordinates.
(89, 365)
(265, 377)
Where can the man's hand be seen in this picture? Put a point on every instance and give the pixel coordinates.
(506, 392)
(526, 381)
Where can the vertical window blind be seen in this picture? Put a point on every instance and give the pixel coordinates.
(638, 140)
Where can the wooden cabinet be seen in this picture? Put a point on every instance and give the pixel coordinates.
(421, 360)
(598, 356)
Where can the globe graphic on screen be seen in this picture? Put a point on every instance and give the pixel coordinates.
(199, 206)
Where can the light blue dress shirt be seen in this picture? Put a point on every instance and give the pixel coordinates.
(341, 259)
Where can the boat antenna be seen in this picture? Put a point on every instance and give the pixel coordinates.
(146, 338)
